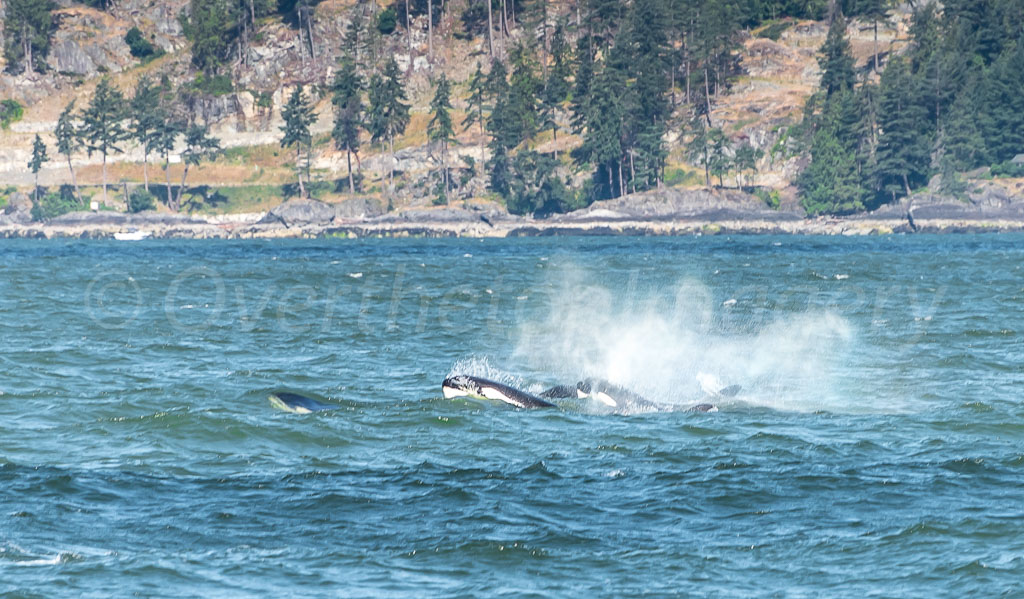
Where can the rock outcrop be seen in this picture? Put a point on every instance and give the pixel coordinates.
(300, 213)
(18, 210)
(88, 42)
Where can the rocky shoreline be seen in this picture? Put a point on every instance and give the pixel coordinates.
(660, 213)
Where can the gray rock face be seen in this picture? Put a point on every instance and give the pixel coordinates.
(18, 210)
(88, 41)
(667, 204)
(985, 200)
(358, 209)
(297, 213)
(437, 215)
(75, 219)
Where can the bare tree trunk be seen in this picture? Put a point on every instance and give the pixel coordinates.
(906, 184)
(167, 171)
(483, 135)
(309, 34)
(351, 180)
(632, 172)
(444, 167)
(104, 177)
(145, 167)
(876, 45)
(490, 30)
(707, 96)
(430, 31)
(26, 42)
(298, 159)
(408, 31)
(391, 178)
(74, 179)
(181, 189)
(707, 171)
(622, 184)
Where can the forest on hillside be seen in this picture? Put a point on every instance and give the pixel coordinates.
(620, 78)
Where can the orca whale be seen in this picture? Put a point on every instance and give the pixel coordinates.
(470, 386)
(297, 404)
(619, 398)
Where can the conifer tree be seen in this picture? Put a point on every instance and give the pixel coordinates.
(699, 147)
(962, 143)
(39, 158)
(144, 115)
(440, 129)
(579, 105)
(27, 25)
(103, 124)
(836, 60)
(354, 35)
(719, 162)
(602, 140)
(556, 85)
(904, 146)
(348, 113)
(524, 91)
(745, 160)
(68, 141)
(874, 11)
(388, 112)
(298, 116)
(476, 103)
(211, 29)
(502, 128)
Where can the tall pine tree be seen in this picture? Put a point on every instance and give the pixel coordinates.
(68, 141)
(904, 145)
(103, 124)
(388, 112)
(348, 113)
(39, 158)
(298, 116)
(144, 115)
(440, 129)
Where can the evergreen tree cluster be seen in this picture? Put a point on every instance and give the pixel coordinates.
(951, 103)
(151, 118)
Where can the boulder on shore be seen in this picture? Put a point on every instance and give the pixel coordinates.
(297, 213)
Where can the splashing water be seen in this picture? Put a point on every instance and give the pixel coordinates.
(663, 342)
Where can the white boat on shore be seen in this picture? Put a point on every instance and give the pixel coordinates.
(132, 235)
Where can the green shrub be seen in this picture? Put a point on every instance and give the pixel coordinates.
(1008, 169)
(678, 176)
(774, 30)
(52, 205)
(387, 21)
(770, 197)
(141, 200)
(140, 47)
(217, 85)
(10, 112)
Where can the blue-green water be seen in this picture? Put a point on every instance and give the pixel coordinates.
(877, 447)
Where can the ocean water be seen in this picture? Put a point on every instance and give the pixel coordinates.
(876, 448)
